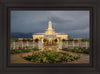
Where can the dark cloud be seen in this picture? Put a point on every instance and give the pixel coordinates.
(75, 23)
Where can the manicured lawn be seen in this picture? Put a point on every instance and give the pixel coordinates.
(86, 51)
(50, 57)
(22, 50)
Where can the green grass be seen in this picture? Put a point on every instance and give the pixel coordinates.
(22, 50)
(50, 57)
(86, 51)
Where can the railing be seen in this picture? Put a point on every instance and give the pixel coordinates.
(23, 45)
(30, 45)
(76, 44)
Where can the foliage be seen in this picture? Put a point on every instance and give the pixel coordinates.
(23, 50)
(24, 40)
(50, 57)
(86, 51)
(70, 39)
(29, 40)
(36, 40)
(35, 49)
(11, 40)
(16, 40)
(44, 40)
(15, 51)
(76, 40)
(56, 40)
(84, 40)
(63, 40)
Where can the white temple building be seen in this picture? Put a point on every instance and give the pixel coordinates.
(50, 35)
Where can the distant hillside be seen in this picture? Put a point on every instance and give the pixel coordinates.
(29, 35)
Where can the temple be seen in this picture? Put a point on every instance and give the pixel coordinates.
(50, 35)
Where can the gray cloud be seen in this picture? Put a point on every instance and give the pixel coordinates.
(71, 22)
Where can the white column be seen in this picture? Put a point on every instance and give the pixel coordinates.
(27, 44)
(60, 44)
(40, 44)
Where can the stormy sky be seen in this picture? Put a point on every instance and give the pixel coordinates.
(74, 23)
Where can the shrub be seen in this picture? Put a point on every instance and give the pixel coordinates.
(63, 40)
(15, 51)
(44, 40)
(55, 40)
(35, 49)
(36, 40)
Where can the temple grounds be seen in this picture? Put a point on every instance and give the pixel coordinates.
(18, 57)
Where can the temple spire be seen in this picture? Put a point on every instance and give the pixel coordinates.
(50, 23)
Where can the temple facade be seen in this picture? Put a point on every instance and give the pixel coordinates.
(50, 35)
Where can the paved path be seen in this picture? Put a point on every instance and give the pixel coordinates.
(17, 58)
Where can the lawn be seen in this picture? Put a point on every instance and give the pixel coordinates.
(86, 51)
(22, 50)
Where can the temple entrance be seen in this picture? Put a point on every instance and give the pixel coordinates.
(50, 41)
(50, 44)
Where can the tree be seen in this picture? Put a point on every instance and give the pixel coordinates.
(24, 40)
(76, 40)
(36, 40)
(11, 40)
(29, 40)
(56, 40)
(16, 40)
(63, 40)
(44, 40)
(71, 40)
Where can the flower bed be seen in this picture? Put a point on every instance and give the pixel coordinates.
(50, 57)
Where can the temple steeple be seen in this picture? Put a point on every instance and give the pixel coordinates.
(49, 23)
(50, 30)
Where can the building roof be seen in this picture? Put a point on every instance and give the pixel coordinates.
(61, 34)
(38, 34)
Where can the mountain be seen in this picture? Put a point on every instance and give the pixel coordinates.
(29, 35)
